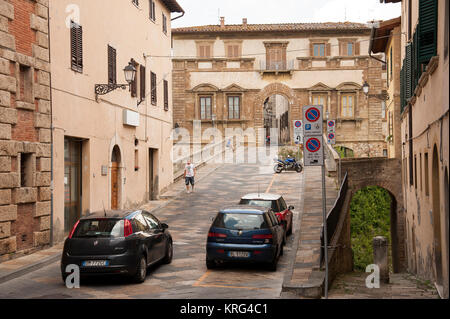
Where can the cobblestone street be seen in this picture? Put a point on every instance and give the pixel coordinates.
(189, 217)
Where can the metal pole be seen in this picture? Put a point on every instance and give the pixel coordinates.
(324, 205)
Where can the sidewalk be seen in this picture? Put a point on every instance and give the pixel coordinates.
(15, 268)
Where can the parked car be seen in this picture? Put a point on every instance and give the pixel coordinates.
(274, 201)
(117, 242)
(245, 234)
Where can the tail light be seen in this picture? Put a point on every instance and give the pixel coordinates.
(127, 229)
(73, 229)
(221, 251)
(265, 236)
(219, 235)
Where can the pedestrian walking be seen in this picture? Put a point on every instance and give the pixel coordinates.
(189, 175)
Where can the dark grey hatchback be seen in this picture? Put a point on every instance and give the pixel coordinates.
(117, 242)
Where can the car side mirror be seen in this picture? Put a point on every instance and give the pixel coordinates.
(291, 207)
(164, 226)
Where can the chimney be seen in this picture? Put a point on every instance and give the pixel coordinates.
(222, 22)
(244, 22)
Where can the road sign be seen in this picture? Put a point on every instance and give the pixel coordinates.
(331, 138)
(313, 151)
(313, 120)
(298, 132)
(331, 126)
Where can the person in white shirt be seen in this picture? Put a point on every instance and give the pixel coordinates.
(189, 175)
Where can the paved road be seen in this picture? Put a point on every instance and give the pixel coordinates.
(189, 217)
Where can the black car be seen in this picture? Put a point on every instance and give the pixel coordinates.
(117, 242)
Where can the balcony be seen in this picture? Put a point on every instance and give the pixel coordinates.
(277, 67)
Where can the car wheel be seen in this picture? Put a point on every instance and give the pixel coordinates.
(273, 265)
(141, 271)
(284, 239)
(210, 264)
(289, 232)
(169, 253)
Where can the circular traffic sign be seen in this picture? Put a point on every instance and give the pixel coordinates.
(331, 136)
(313, 145)
(312, 114)
(330, 123)
(298, 124)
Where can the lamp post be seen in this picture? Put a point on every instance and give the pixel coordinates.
(130, 75)
(384, 96)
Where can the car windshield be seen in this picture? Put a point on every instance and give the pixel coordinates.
(99, 228)
(240, 221)
(260, 202)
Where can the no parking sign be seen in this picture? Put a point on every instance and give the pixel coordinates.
(298, 132)
(331, 138)
(313, 120)
(331, 126)
(313, 151)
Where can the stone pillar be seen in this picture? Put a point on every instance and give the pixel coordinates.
(380, 257)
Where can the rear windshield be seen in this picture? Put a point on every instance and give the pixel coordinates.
(260, 202)
(99, 228)
(240, 221)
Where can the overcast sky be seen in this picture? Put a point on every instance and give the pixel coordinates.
(203, 12)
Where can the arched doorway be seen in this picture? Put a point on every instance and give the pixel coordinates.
(115, 177)
(276, 116)
(437, 244)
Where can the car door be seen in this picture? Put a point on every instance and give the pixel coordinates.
(159, 239)
(286, 212)
(145, 236)
(277, 228)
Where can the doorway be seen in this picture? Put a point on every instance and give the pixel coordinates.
(152, 174)
(276, 116)
(72, 182)
(115, 178)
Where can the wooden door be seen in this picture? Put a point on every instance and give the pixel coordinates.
(115, 185)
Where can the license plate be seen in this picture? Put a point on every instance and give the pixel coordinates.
(239, 254)
(95, 263)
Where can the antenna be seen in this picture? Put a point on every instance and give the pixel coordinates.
(104, 208)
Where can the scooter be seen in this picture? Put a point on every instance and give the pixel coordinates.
(290, 164)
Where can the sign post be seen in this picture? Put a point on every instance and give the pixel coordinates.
(314, 156)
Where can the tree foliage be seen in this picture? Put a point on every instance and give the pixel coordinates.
(370, 217)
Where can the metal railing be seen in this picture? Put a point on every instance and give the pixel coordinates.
(277, 66)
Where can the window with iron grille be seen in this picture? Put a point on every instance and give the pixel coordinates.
(112, 67)
(166, 95)
(153, 88)
(152, 10)
(76, 46)
(234, 107)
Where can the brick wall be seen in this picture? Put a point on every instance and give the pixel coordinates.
(24, 127)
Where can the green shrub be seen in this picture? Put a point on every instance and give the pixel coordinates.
(291, 151)
(369, 217)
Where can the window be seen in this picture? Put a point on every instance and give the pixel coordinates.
(319, 49)
(347, 104)
(415, 172)
(205, 107)
(152, 10)
(347, 48)
(153, 88)
(142, 74)
(427, 183)
(234, 106)
(350, 48)
(164, 19)
(141, 224)
(166, 95)
(26, 170)
(26, 84)
(152, 221)
(76, 46)
(135, 2)
(204, 50)
(420, 171)
(136, 160)
(233, 50)
(276, 56)
(320, 99)
(112, 68)
(390, 63)
(134, 84)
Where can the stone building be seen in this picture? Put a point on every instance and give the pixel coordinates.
(112, 142)
(425, 137)
(224, 74)
(25, 135)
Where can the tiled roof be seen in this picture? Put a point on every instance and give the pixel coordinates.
(282, 27)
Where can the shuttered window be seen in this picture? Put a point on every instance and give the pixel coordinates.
(76, 46)
(233, 51)
(153, 88)
(166, 95)
(204, 51)
(319, 49)
(427, 30)
(152, 11)
(134, 84)
(142, 82)
(276, 57)
(112, 67)
(164, 19)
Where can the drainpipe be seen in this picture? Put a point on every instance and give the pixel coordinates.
(372, 36)
(51, 131)
(178, 17)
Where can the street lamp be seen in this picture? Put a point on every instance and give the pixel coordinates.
(384, 96)
(130, 75)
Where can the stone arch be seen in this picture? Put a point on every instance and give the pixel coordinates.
(268, 91)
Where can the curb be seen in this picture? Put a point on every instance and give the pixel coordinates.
(29, 268)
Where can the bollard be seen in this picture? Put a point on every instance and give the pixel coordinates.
(380, 257)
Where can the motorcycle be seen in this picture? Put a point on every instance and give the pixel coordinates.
(290, 164)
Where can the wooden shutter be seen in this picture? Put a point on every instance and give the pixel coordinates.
(112, 67)
(357, 48)
(142, 82)
(328, 49)
(166, 95)
(76, 46)
(134, 83)
(408, 72)
(427, 30)
(153, 88)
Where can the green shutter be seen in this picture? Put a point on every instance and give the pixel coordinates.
(427, 30)
(409, 87)
(402, 88)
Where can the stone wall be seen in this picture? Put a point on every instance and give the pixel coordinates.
(25, 136)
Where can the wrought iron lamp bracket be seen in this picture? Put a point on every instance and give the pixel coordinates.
(102, 89)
